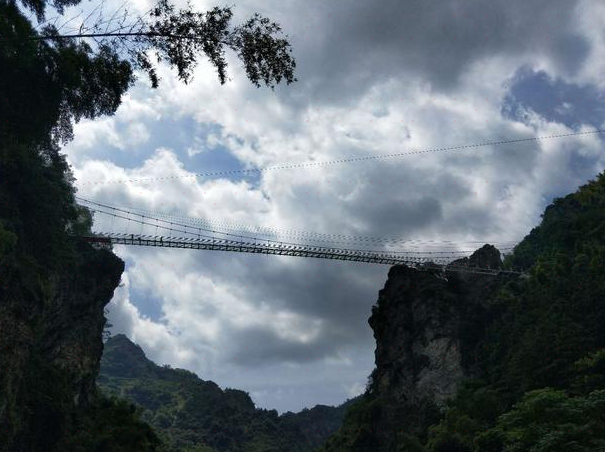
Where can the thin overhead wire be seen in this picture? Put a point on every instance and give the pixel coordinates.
(173, 228)
(198, 234)
(353, 159)
(199, 228)
(300, 233)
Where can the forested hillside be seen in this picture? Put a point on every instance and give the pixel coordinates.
(528, 352)
(193, 414)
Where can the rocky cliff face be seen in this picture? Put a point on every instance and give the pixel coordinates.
(426, 324)
(50, 337)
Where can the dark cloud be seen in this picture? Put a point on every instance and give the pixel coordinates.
(264, 347)
(345, 48)
(332, 291)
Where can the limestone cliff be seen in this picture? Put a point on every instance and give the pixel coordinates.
(50, 337)
(426, 324)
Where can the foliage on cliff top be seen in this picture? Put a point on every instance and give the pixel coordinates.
(567, 225)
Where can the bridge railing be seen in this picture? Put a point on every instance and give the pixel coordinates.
(275, 248)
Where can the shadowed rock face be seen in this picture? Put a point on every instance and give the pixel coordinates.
(425, 324)
(487, 256)
(51, 346)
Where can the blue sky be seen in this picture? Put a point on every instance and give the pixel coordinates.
(371, 81)
(554, 99)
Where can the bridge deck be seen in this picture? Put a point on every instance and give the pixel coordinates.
(288, 250)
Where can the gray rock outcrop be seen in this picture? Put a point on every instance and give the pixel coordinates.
(426, 323)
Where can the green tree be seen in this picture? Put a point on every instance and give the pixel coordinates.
(112, 425)
(179, 37)
(409, 443)
(549, 420)
(8, 241)
(474, 409)
(590, 373)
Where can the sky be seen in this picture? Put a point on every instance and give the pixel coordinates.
(374, 78)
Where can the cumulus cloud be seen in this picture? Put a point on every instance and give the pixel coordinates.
(354, 389)
(372, 81)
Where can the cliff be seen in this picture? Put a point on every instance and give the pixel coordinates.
(421, 324)
(456, 351)
(52, 288)
(424, 322)
(50, 337)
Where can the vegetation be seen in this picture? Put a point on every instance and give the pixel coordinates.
(111, 424)
(179, 37)
(542, 355)
(189, 412)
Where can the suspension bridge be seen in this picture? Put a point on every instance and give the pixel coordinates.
(187, 233)
(190, 233)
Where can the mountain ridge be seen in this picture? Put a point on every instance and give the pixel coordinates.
(188, 411)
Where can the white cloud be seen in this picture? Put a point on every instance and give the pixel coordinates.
(92, 133)
(354, 389)
(191, 152)
(136, 134)
(258, 322)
